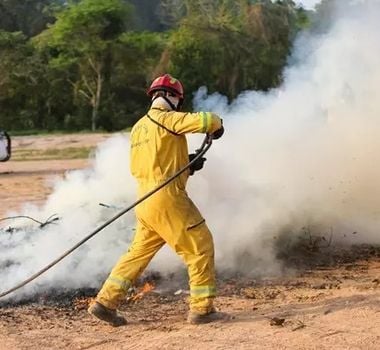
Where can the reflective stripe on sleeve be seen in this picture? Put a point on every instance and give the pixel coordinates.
(203, 291)
(206, 121)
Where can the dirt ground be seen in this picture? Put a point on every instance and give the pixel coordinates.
(330, 306)
(27, 181)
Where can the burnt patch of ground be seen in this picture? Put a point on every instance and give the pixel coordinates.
(301, 256)
(73, 298)
(332, 306)
(51, 297)
(300, 263)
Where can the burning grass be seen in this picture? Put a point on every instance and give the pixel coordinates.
(136, 296)
(78, 299)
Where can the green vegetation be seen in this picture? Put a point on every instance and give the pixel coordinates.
(85, 65)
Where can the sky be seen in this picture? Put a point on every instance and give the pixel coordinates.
(308, 4)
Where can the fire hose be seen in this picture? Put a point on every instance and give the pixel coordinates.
(206, 144)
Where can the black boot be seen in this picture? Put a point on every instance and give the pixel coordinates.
(195, 318)
(108, 315)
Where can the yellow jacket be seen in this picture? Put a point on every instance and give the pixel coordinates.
(159, 146)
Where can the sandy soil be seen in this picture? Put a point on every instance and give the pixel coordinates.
(28, 181)
(326, 307)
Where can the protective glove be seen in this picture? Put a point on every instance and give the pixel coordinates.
(198, 165)
(218, 133)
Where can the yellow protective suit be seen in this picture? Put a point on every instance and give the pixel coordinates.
(158, 150)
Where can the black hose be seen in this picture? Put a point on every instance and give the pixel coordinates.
(206, 144)
(48, 221)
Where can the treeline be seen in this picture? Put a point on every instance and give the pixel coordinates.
(80, 65)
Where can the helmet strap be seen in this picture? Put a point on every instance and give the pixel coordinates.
(179, 105)
(171, 104)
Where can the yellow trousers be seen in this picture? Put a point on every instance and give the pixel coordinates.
(169, 216)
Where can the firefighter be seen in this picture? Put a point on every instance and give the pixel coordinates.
(158, 150)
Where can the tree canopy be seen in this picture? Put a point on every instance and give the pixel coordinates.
(86, 64)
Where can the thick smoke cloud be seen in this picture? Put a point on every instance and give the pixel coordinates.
(303, 155)
(306, 154)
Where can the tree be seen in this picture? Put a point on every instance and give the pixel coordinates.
(13, 52)
(32, 96)
(231, 45)
(27, 16)
(92, 64)
(83, 39)
(135, 57)
(148, 15)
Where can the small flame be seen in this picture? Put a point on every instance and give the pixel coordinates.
(145, 289)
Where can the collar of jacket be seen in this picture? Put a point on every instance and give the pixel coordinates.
(160, 109)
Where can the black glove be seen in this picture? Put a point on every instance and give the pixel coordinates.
(218, 133)
(198, 165)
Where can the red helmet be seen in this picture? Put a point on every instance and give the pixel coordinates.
(167, 83)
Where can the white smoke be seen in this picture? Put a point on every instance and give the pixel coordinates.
(305, 154)
(76, 200)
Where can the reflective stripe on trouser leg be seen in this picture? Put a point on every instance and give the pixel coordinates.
(202, 291)
(201, 270)
(201, 299)
(113, 291)
(145, 244)
(202, 283)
